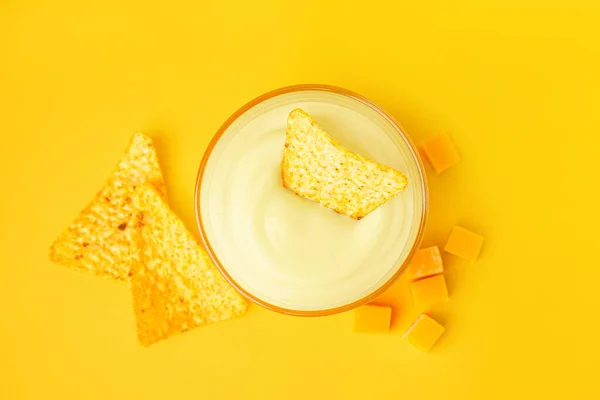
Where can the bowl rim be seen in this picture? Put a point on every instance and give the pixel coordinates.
(300, 88)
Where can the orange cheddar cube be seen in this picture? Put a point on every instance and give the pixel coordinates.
(464, 243)
(372, 319)
(440, 153)
(426, 262)
(422, 153)
(429, 291)
(424, 332)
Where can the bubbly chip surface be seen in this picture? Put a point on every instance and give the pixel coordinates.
(316, 167)
(98, 240)
(174, 284)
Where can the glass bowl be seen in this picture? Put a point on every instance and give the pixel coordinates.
(289, 254)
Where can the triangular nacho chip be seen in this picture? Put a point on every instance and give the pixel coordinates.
(98, 240)
(318, 168)
(174, 284)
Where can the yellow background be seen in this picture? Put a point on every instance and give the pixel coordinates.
(514, 83)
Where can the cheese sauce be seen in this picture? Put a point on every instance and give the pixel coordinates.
(289, 251)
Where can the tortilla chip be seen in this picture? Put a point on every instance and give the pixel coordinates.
(98, 241)
(174, 284)
(318, 168)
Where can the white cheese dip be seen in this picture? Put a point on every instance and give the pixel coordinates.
(290, 252)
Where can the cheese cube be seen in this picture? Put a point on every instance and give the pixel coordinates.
(464, 243)
(426, 262)
(372, 319)
(440, 153)
(424, 332)
(422, 153)
(429, 291)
